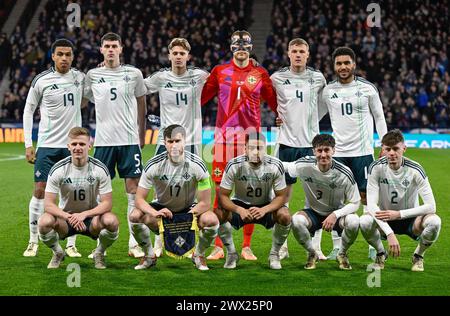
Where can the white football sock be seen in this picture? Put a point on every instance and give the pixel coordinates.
(207, 235)
(226, 235)
(131, 240)
(279, 236)
(317, 240)
(141, 234)
(336, 239)
(350, 232)
(432, 227)
(301, 233)
(71, 241)
(370, 232)
(106, 239)
(51, 239)
(35, 210)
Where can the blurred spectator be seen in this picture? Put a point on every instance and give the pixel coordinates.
(406, 58)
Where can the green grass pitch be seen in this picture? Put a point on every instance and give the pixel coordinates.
(29, 276)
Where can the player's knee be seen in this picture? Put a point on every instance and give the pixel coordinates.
(46, 221)
(283, 217)
(135, 216)
(366, 223)
(299, 220)
(352, 222)
(209, 219)
(110, 221)
(432, 222)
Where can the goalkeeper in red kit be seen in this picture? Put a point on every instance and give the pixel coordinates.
(239, 85)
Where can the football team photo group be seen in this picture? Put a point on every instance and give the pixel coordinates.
(307, 183)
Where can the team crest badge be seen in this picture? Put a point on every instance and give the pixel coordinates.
(90, 179)
(405, 183)
(217, 172)
(251, 80)
(179, 234)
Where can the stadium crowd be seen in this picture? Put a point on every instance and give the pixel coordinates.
(206, 24)
(407, 58)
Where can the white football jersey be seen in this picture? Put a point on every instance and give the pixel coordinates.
(78, 188)
(327, 191)
(398, 189)
(180, 100)
(175, 183)
(254, 186)
(298, 100)
(114, 92)
(353, 108)
(59, 98)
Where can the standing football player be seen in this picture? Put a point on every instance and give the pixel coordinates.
(240, 86)
(354, 104)
(118, 92)
(180, 89)
(58, 93)
(298, 89)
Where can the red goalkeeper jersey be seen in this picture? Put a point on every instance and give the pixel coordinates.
(239, 91)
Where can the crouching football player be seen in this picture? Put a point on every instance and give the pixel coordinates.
(78, 179)
(394, 185)
(259, 196)
(333, 196)
(178, 177)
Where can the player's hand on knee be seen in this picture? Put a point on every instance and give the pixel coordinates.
(30, 154)
(329, 222)
(165, 213)
(387, 215)
(245, 215)
(394, 245)
(256, 212)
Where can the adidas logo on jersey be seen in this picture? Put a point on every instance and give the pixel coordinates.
(137, 171)
(101, 80)
(33, 223)
(243, 178)
(384, 181)
(164, 178)
(54, 87)
(334, 96)
(286, 82)
(67, 180)
(168, 85)
(266, 177)
(309, 179)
